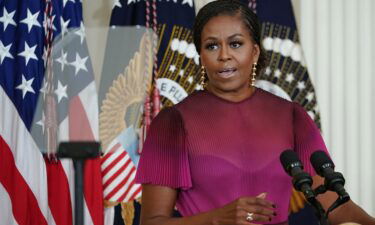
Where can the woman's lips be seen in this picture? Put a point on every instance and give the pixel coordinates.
(226, 73)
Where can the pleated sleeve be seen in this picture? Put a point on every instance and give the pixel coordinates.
(307, 137)
(164, 160)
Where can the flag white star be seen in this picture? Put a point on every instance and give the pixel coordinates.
(63, 59)
(64, 26)
(301, 85)
(310, 96)
(190, 2)
(190, 79)
(117, 3)
(181, 73)
(31, 20)
(4, 52)
(130, 1)
(268, 71)
(80, 63)
(7, 18)
(61, 91)
(198, 87)
(25, 86)
(28, 53)
(289, 77)
(172, 68)
(81, 32)
(41, 122)
(277, 73)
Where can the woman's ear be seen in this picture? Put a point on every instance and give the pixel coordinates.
(256, 53)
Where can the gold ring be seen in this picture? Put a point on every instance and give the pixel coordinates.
(249, 216)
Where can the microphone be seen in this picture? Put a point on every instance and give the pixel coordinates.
(302, 181)
(334, 181)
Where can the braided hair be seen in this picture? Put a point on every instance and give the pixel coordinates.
(229, 8)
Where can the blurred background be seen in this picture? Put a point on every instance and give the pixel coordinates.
(320, 55)
(336, 38)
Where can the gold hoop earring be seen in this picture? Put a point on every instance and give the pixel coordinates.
(203, 78)
(253, 74)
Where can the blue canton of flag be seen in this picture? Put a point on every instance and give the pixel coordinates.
(34, 190)
(22, 48)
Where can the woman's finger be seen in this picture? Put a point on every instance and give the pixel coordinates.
(260, 210)
(260, 201)
(254, 217)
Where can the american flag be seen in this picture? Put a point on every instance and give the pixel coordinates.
(119, 170)
(34, 190)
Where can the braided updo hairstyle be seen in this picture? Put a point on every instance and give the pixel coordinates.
(229, 8)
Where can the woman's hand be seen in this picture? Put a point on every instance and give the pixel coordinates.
(245, 210)
(344, 213)
(158, 203)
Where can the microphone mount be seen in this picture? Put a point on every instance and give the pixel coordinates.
(302, 182)
(333, 181)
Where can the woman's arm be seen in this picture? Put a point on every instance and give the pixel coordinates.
(158, 203)
(348, 212)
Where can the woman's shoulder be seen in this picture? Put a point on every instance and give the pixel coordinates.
(174, 113)
(191, 97)
(191, 100)
(274, 100)
(279, 104)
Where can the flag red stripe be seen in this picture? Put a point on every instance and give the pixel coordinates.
(114, 162)
(127, 191)
(120, 185)
(136, 193)
(94, 190)
(59, 194)
(107, 155)
(24, 204)
(110, 152)
(115, 175)
(80, 129)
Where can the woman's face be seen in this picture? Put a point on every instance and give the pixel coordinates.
(228, 53)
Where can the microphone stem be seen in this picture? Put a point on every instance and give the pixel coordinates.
(319, 212)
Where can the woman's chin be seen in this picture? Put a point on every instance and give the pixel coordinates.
(228, 87)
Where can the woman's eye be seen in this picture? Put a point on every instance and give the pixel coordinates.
(235, 44)
(211, 46)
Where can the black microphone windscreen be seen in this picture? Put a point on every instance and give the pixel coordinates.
(287, 158)
(318, 159)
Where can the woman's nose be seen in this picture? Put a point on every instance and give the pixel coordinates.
(224, 53)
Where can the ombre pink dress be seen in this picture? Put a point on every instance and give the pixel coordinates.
(215, 151)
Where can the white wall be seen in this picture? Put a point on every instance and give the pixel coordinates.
(337, 37)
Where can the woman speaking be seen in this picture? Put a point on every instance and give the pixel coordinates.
(215, 155)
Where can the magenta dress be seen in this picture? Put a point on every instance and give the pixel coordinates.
(215, 151)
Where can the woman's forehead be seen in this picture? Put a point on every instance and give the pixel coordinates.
(225, 25)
